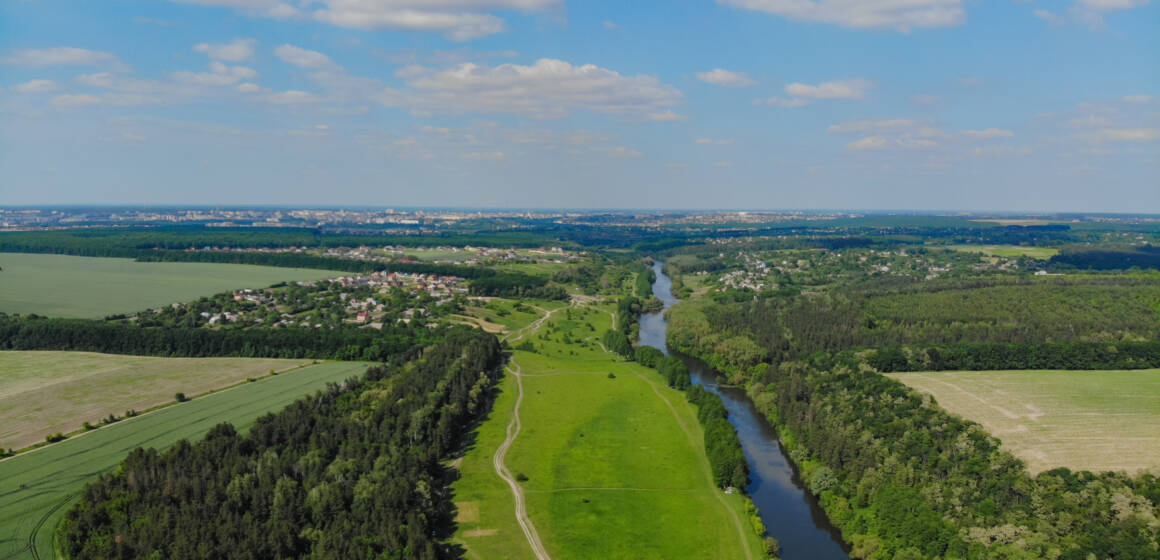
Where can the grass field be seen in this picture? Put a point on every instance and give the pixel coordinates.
(1090, 420)
(48, 392)
(86, 287)
(1008, 251)
(37, 488)
(615, 467)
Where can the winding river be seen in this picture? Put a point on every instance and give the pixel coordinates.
(791, 515)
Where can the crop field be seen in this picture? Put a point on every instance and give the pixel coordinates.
(39, 486)
(48, 392)
(609, 467)
(1089, 420)
(1009, 251)
(92, 288)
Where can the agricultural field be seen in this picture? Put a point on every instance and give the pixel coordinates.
(40, 486)
(49, 392)
(1090, 420)
(92, 288)
(1009, 251)
(609, 467)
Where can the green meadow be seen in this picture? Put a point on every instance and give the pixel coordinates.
(92, 288)
(1008, 251)
(614, 467)
(37, 488)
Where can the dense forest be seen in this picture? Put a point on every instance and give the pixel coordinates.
(1084, 322)
(351, 472)
(897, 474)
(346, 343)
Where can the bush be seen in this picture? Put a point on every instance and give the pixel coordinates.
(180, 397)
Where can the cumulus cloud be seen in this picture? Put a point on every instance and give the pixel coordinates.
(1131, 134)
(75, 100)
(666, 116)
(897, 15)
(304, 58)
(291, 97)
(1000, 151)
(458, 20)
(711, 142)
(235, 51)
(868, 143)
(248, 88)
(488, 156)
(726, 78)
(1049, 17)
(843, 89)
(36, 86)
(924, 99)
(65, 56)
(1091, 12)
(1139, 98)
(871, 125)
(781, 102)
(546, 89)
(987, 134)
(219, 75)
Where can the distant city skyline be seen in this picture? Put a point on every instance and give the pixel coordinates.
(935, 105)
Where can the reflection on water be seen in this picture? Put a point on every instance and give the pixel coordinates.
(790, 514)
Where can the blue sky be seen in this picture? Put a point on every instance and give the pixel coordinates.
(1013, 105)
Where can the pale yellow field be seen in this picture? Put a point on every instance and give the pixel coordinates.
(1083, 420)
(48, 392)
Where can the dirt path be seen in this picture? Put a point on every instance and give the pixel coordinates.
(497, 461)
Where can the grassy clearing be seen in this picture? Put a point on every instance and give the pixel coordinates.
(1090, 420)
(38, 487)
(1008, 251)
(48, 392)
(87, 287)
(615, 467)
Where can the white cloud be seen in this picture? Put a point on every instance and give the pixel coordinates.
(666, 116)
(611, 26)
(780, 102)
(75, 100)
(868, 143)
(249, 88)
(867, 126)
(304, 58)
(971, 81)
(843, 89)
(1132, 134)
(36, 86)
(1000, 151)
(987, 134)
(458, 20)
(1091, 12)
(723, 164)
(622, 152)
(291, 97)
(219, 75)
(899, 15)
(924, 99)
(488, 156)
(235, 51)
(726, 78)
(65, 56)
(719, 142)
(547, 89)
(1139, 98)
(1049, 17)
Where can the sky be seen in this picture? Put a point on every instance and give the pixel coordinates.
(986, 105)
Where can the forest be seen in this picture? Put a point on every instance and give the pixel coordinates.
(345, 343)
(351, 472)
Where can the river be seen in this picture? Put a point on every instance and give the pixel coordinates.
(791, 515)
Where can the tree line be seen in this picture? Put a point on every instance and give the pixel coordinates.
(354, 471)
(341, 343)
